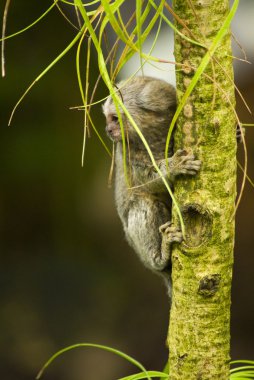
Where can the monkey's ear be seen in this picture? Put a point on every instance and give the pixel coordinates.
(157, 96)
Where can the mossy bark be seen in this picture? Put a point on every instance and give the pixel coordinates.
(199, 332)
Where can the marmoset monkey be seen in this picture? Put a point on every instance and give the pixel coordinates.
(145, 206)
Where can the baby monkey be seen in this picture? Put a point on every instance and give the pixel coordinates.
(145, 207)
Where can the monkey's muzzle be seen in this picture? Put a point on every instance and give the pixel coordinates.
(113, 131)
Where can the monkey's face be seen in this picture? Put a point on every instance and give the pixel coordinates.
(113, 127)
(112, 123)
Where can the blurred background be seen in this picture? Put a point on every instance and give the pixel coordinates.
(66, 273)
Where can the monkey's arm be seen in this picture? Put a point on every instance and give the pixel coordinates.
(148, 178)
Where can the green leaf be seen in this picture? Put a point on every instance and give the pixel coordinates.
(143, 375)
(32, 24)
(57, 59)
(99, 346)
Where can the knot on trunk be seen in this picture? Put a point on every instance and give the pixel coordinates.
(198, 225)
(209, 285)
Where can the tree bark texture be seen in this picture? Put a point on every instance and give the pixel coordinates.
(199, 332)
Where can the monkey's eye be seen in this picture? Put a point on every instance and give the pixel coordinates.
(115, 118)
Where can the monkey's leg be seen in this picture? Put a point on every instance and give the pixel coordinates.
(169, 234)
(150, 233)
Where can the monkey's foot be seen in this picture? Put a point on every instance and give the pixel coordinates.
(185, 163)
(170, 233)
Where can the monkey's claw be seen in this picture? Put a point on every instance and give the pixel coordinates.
(171, 233)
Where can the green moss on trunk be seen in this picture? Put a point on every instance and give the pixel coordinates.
(199, 333)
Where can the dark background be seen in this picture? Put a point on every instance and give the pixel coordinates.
(66, 273)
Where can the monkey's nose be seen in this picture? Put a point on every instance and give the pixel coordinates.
(113, 132)
(109, 129)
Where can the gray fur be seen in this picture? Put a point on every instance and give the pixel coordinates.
(145, 207)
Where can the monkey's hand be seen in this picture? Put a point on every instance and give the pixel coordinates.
(182, 162)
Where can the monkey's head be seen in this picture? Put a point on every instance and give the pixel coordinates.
(151, 103)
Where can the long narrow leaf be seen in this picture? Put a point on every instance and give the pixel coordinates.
(233, 370)
(143, 375)
(139, 28)
(241, 362)
(32, 24)
(91, 345)
(134, 48)
(109, 10)
(57, 59)
(119, 104)
(173, 27)
(86, 4)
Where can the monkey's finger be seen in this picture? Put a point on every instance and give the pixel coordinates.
(191, 163)
(163, 227)
(176, 237)
(189, 171)
(189, 157)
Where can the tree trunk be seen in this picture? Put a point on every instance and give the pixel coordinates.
(199, 332)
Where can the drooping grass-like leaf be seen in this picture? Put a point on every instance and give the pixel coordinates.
(57, 59)
(239, 373)
(131, 50)
(172, 26)
(102, 66)
(32, 24)
(245, 372)
(139, 29)
(109, 14)
(118, 102)
(101, 347)
(143, 375)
